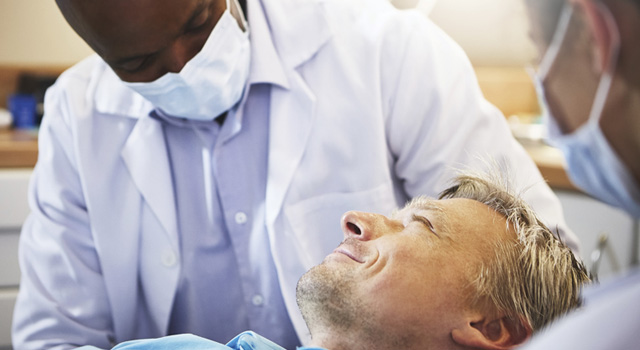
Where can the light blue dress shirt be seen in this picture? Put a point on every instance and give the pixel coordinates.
(228, 279)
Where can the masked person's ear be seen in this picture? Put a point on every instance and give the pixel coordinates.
(603, 29)
(492, 333)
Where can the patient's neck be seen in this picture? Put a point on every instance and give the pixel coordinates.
(333, 341)
(350, 340)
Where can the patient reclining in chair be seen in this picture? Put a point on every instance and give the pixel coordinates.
(474, 269)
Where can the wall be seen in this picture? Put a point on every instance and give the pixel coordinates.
(493, 32)
(33, 32)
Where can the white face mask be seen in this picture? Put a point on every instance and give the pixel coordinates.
(592, 164)
(212, 81)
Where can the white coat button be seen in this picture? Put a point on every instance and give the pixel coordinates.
(169, 259)
(257, 300)
(241, 218)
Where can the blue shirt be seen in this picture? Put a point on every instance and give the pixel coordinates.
(228, 280)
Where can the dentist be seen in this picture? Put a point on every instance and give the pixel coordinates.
(589, 85)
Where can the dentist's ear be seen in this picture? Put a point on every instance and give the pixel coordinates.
(493, 333)
(603, 28)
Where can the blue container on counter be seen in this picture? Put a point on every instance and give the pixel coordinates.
(23, 110)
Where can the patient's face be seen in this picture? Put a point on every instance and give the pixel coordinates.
(407, 276)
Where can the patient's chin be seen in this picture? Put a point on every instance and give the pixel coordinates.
(331, 305)
(326, 298)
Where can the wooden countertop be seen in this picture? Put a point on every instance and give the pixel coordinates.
(19, 149)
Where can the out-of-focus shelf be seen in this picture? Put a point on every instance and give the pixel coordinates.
(509, 88)
(552, 165)
(18, 148)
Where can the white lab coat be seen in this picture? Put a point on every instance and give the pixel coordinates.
(378, 106)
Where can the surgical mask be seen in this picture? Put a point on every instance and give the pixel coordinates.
(592, 164)
(212, 82)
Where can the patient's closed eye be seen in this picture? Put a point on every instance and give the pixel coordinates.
(426, 222)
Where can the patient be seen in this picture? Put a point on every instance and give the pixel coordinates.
(474, 269)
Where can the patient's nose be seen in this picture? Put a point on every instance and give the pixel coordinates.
(360, 225)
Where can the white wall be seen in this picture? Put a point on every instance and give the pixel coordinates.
(33, 32)
(493, 32)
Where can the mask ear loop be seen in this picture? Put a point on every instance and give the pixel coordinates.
(243, 18)
(556, 42)
(606, 80)
(549, 57)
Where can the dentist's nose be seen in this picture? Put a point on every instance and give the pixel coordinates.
(179, 53)
(363, 226)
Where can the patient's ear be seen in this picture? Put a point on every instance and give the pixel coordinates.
(493, 333)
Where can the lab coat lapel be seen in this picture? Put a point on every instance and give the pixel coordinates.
(145, 155)
(299, 29)
(292, 115)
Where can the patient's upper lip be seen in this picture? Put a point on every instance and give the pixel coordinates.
(343, 250)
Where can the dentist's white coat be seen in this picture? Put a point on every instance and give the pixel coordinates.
(378, 106)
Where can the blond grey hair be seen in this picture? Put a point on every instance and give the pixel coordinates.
(533, 279)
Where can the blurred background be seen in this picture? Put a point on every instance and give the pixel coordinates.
(36, 44)
(493, 32)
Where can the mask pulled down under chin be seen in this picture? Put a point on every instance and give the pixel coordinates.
(212, 82)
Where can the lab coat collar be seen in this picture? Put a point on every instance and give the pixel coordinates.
(266, 66)
(284, 35)
(111, 96)
(298, 28)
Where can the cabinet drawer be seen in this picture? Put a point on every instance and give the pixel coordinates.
(7, 301)
(14, 207)
(9, 268)
(589, 219)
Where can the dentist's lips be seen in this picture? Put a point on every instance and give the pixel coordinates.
(343, 250)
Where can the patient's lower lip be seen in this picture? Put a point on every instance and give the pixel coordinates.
(347, 253)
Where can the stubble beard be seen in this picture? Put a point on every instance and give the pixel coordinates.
(327, 300)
